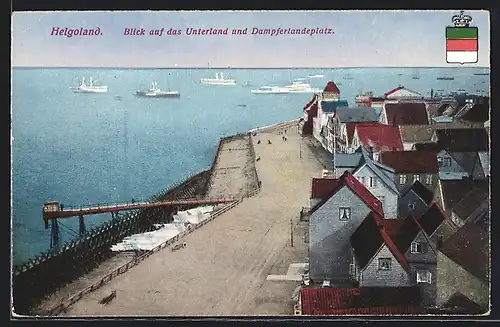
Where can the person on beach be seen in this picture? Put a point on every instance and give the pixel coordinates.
(258, 142)
(269, 141)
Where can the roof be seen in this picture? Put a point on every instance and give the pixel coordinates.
(478, 112)
(393, 226)
(432, 219)
(460, 303)
(455, 190)
(352, 160)
(348, 180)
(442, 119)
(419, 189)
(411, 161)
(463, 139)
(401, 88)
(366, 300)
(314, 98)
(350, 127)
(406, 113)
(369, 237)
(381, 137)
(409, 230)
(469, 248)
(416, 133)
(357, 114)
(470, 202)
(331, 87)
(331, 106)
(322, 187)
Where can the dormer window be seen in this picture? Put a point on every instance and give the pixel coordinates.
(417, 247)
(384, 264)
(402, 179)
(424, 276)
(416, 178)
(344, 213)
(373, 182)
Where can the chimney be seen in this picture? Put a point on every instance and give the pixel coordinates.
(370, 150)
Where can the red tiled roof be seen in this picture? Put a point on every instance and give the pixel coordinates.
(347, 179)
(393, 226)
(366, 300)
(350, 127)
(406, 113)
(394, 90)
(331, 87)
(322, 187)
(411, 161)
(381, 137)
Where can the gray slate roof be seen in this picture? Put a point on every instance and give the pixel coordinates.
(356, 115)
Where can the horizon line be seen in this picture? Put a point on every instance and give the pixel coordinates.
(206, 68)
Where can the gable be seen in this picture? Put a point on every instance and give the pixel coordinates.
(454, 163)
(343, 197)
(366, 171)
(422, 238)
(384, 252)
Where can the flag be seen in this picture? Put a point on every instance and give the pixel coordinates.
(462, 45)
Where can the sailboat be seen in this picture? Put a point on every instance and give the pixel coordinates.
(415, 75)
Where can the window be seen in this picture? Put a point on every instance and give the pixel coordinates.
(416, 178)
(440, 161)
(362, 180)
(344, 213)
(373, 182)
(384, 264)
(428, 179)
(417, 247)
(423, 276)
(446, 162)
(402, 179)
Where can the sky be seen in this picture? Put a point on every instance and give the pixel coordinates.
(360, 39)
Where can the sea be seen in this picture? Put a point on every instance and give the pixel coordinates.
(85, 149)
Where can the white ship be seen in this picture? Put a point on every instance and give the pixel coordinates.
(218, 80)
(316, 76)
(91, 88)
(295, 87)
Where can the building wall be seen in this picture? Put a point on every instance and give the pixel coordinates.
(390, 203)
(329, 237)
(451, 278)
(372, 276)
(422, 177)
(424, 261)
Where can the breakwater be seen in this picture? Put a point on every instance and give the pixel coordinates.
(42, 275)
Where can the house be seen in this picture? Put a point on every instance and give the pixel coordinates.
(402, 92)
(416, 246)
(460, 151)
(337, 124)
(321, 188)
(404, 113)
(377, 178)
(464, 267)
(368, 100)
(346, 133)
(360, 301)
(326, 110)
(377, 138)
(414, 199)
(411, 166)
(331, 224)
(376, 259)
(310, 112)
(401, 255)
(331, 92)
(415, 134)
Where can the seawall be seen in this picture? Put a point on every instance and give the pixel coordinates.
(44, 274)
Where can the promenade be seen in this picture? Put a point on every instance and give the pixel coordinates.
(223, 269)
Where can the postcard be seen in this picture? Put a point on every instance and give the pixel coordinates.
(250, 163)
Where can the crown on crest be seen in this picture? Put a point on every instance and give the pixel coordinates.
(461, 20)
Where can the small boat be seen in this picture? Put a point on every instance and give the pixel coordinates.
(348, 77)
(247, 84)
(270, 90)
(242, 105)
(295, 87)
(118, 97)
(445, 78)
(415, 77)
(91, 88)
(316, 76)
(218, 80)
(156, 92)
(482, 74)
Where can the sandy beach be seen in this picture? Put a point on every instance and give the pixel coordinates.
(223, 269)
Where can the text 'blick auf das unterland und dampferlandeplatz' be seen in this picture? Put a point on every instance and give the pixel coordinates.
(190, 31)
